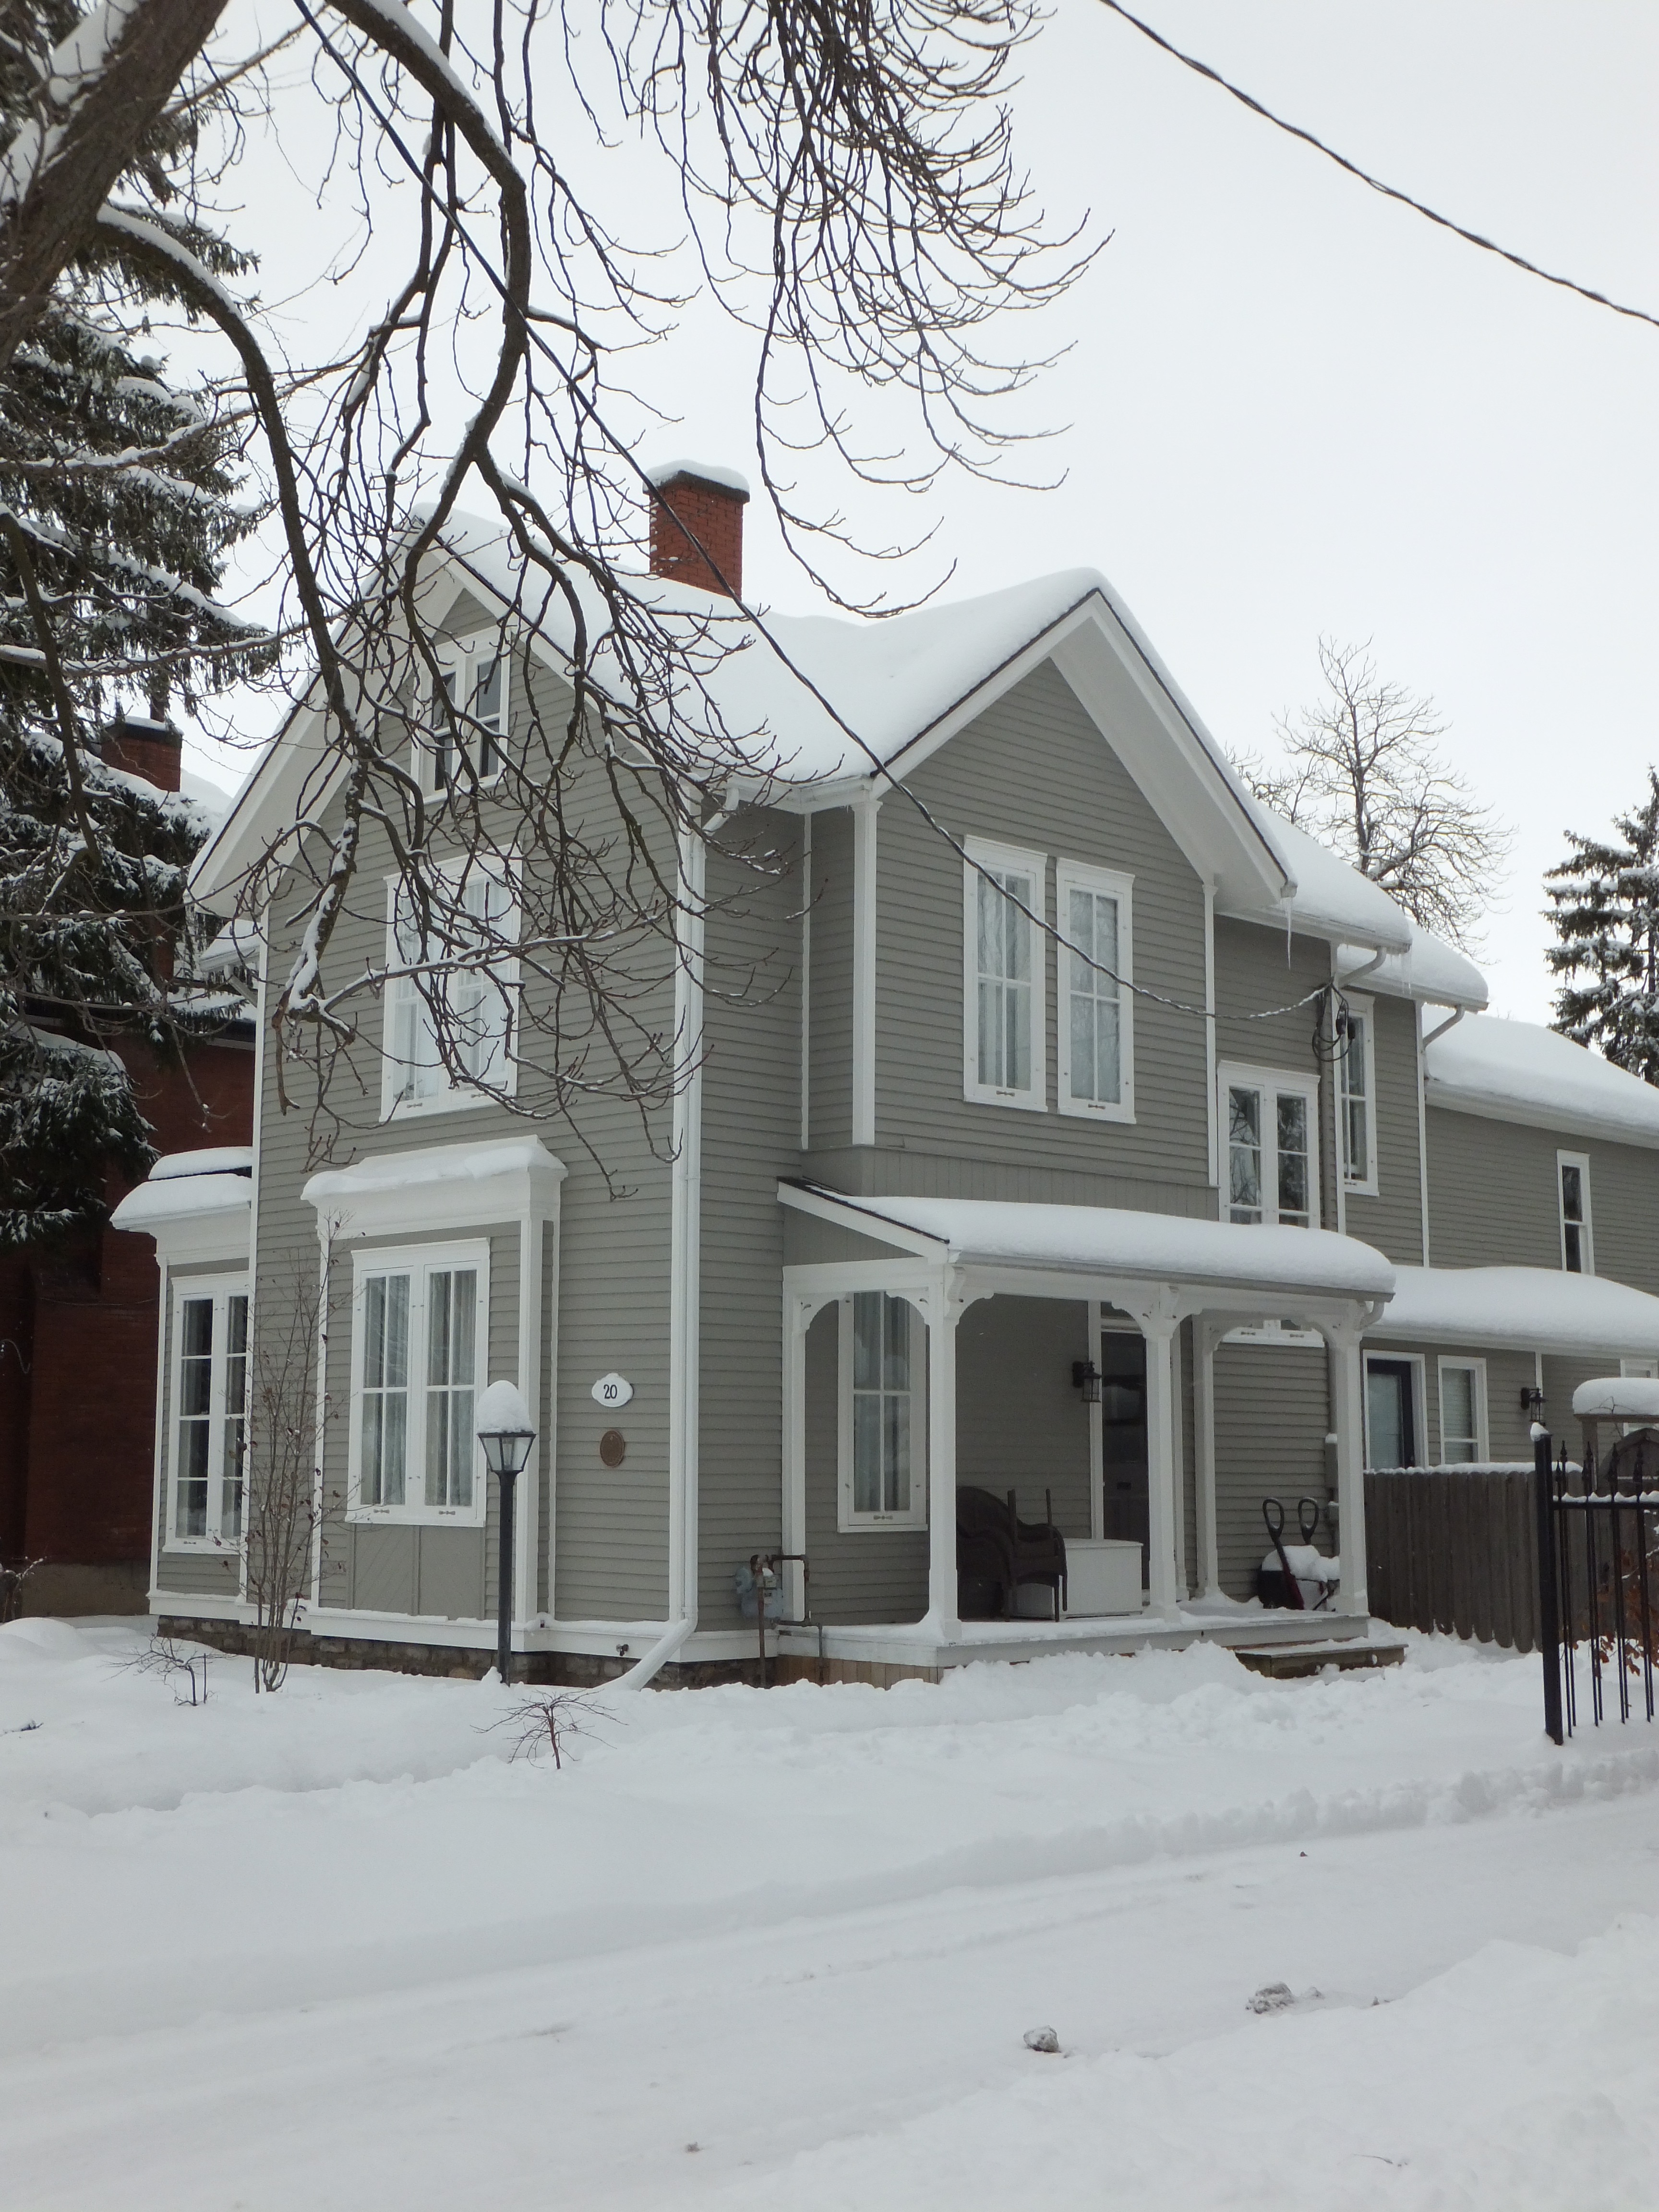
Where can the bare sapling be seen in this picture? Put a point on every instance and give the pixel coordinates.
(547, 1723)
(163, 1656)
(13, 1583)
(287, 1414)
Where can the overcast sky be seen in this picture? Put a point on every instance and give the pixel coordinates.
(1296, 408)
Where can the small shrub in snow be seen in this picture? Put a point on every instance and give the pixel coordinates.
(547, 1723)
(12, 1582)
(161, 1655)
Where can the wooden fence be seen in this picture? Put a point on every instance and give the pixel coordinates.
(1455, 1549)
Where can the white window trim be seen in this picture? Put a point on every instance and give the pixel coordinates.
(463, 653)
(413, 1260)
(449, 1097)
(1070, 875)
(1248, 1078)
(1364, 1186)
(1006, 858)
(1586, 1228)
(220, 1289)
(1279, 1333)
(1414, 1360)
(1482, 1441)
(849, 1520)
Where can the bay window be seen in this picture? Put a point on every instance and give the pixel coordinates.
(420, 1326)
(208, 1395)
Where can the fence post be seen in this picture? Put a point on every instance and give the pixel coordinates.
(1549, 1611)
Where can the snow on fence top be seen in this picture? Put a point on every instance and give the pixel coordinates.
(1618, 1398)
(1518, 1072)
(1107, 1240)
(1533, 1309)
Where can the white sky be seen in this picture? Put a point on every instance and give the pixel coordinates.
(1297, 408)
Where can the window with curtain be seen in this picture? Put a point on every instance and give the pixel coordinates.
(417, 1367)
(473, 1006)
(1006, 967)
(1097, 1012)
(882, 1410)
(1272, 1164)
(209, 1412)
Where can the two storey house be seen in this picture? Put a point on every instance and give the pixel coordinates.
(1088, 1134)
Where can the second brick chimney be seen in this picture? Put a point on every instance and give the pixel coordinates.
(707, 550)
(143, 747)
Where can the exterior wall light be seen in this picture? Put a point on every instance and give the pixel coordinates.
(505, 1433)
(1085, 1376)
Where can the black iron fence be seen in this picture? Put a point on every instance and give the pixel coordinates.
(1598, 1579)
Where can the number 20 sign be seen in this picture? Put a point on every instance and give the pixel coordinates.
(612, 1390)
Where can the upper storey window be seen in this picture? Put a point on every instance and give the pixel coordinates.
(446, 985)
(1096, 1053)
(1273, 1156)
(1004, 970)
(473, 672)
(1356, 1071)
(1573, 1185)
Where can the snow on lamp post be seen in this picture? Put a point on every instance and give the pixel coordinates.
(504, 1431)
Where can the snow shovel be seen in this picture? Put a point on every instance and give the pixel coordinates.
(1308, 1511)
(1290, 1590)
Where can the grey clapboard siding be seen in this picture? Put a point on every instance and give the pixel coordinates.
(866, 1574)
(1272, 1413)
(873, 1171)
(808, 1242)
(829, 1028)
(1393, 1220)
(750, 1137)
(1493, 1198)
(1033, 771)
(194, 1574)
(1508, 1373)
(1021, 1424)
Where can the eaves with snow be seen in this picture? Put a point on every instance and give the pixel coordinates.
(828, 709)
(1518, 1072)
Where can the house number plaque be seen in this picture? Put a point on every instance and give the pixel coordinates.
(612, 1390)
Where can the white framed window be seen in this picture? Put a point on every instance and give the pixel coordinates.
(1005, 977)
(1462, 1411)
(207, 1445)
(473, 672)
(1096, 1026)
(477, 1005)
(1572, 1188)
(1271, 1121)
(420, 1328)
(1356, 1076)
(883, 1418)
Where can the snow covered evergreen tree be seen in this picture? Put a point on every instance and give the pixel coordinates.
(117, 510)
(1604, 908)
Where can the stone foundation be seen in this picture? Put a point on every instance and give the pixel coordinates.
(576, 1670)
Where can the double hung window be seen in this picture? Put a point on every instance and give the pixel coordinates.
(209, 1412)
(469, 724)
(1572, 1178)
(882, 1416)
(1096, 1038)
(1005, 968)
(1271, 1122)
(1356, 1109)
(448, 985)
(420, 1321)
(1462, 1411)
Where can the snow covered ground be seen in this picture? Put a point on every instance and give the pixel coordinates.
(331, 1948)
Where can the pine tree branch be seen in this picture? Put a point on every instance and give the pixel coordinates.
(16, 538)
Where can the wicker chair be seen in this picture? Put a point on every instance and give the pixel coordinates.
(996, 1548)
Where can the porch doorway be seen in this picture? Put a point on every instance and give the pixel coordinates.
(1123, 1438)
(1391, 1430)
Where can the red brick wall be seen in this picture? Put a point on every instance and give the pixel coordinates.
(714, 517)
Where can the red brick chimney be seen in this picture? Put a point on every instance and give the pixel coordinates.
(143, 747)
(709, 503)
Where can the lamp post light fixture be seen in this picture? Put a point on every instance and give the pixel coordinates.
(504, 1431)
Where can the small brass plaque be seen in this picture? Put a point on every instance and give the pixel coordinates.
(613, 1447)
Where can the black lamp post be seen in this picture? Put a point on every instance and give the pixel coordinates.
(504, 1432)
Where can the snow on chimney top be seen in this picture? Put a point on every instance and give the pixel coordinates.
(696, 526)
(143, 747)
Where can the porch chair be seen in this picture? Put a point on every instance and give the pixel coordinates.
(995, 1547)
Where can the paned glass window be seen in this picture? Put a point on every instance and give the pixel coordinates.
(1005, 981)
(418, 1372)
(1462, 1411)
(1354, 1068)
(475, 683)
(1271, 1168)
(472, 1006)
(1096, 1006)
(209, 1412)
(1577, 1255)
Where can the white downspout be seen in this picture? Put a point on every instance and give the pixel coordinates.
(685, 1238)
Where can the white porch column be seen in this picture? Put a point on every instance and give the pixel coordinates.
(1159, 1318)
(1207, 1335)
(1347, 1381)
(801, 1309)
(945, 1304)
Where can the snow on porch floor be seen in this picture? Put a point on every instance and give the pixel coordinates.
(330, 1949)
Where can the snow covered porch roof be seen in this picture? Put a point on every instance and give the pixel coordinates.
(1047, 1250)
(1521, 1309)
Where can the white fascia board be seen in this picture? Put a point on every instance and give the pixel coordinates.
(1585, 1127)
(862, 1220)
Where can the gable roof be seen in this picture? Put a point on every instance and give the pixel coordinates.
(828, 708)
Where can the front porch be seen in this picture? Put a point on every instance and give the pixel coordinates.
(1145, 1273)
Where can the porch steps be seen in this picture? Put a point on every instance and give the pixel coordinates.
(1285, 1662)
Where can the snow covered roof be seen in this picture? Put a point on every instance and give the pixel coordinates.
(1105, 1242)
(1618, 1398)
(662, 472)
(1529, 1309)
(181, 1198)
(210, 1159)
(1519, 1071)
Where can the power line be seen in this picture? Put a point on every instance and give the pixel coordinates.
(1377, 183)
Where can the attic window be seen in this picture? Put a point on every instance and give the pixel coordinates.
(474, 676)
